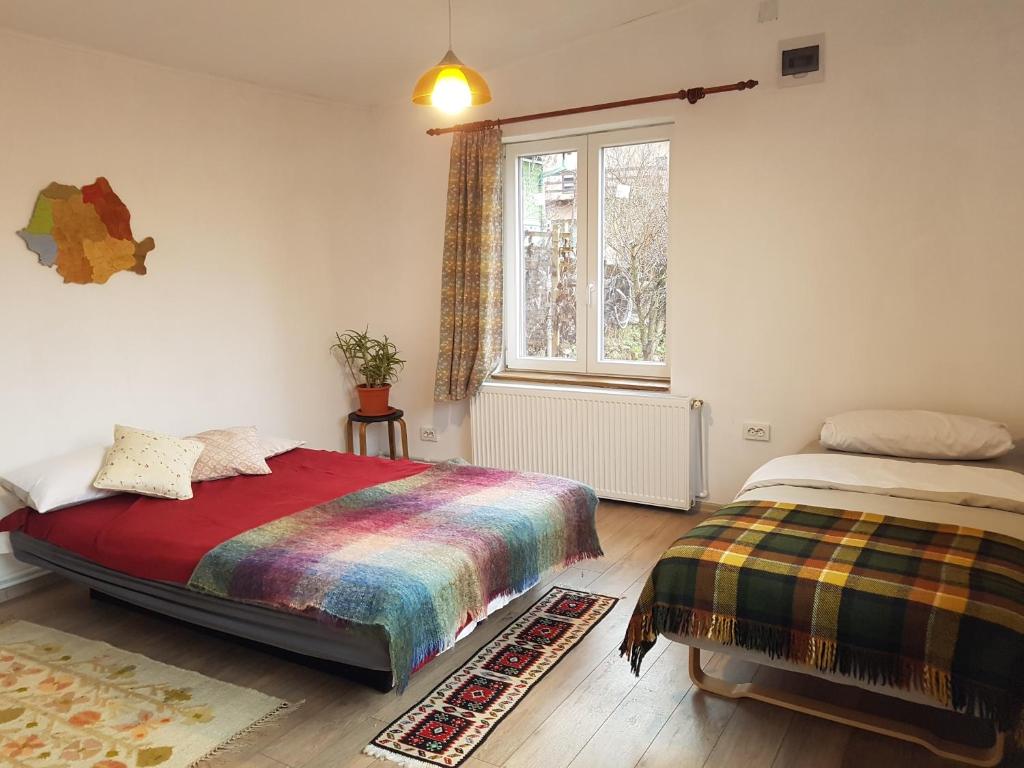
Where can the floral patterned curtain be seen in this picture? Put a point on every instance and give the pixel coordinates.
(471, 277)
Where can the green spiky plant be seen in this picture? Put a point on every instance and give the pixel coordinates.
(372, 362)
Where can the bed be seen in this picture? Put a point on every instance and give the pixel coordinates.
(306, 558)
(988, 496)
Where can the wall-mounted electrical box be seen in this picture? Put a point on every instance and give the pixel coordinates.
(801, 60)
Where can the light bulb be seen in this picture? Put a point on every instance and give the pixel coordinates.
(451, 92)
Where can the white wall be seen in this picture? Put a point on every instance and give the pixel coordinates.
(852, 244)
(250, 197)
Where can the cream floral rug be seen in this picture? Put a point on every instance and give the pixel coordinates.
(68, 702)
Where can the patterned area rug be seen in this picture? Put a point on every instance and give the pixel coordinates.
(458, 715)
(68, 702)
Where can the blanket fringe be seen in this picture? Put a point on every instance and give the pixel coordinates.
(245, 735)
(438, 643)
(981, 701)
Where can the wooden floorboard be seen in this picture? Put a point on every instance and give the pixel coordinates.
(693, 729)
(627, 732)
(589, 712)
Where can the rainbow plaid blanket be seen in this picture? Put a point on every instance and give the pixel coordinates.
(913, 605)
(419, 557)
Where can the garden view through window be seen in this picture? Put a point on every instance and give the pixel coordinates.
(587, 253)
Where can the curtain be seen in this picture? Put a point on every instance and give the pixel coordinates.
(471, 275)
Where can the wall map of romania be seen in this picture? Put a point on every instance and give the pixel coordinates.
(86, 233)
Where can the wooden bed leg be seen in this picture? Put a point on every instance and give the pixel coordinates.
(949, 750)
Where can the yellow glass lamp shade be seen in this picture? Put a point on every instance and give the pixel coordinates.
(451, 86)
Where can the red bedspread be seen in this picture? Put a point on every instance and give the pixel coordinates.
(163, 540)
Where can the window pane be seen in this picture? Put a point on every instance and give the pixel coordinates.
(634, 251)
(547, 248)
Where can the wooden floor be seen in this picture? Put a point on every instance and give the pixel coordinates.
(589, 712)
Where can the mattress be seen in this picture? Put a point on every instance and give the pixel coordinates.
(357, 646)
(798, 490)
(164, 540)
(354, 645)
(143, 551)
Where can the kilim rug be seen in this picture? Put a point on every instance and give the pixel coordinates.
(68, 702)
(458, 716)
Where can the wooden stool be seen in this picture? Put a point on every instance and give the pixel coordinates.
(358, 418)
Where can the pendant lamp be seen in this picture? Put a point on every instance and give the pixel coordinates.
(451, 86)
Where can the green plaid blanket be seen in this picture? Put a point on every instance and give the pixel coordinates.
(912, 605)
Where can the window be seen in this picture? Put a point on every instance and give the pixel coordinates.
(586, 253)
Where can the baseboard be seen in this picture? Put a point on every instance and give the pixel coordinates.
(14, 579)
(22, 583)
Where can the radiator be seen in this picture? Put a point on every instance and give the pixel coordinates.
(628, 446)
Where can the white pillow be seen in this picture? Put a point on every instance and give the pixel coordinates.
(58, 482)
(275, 446)
(916, 435)
(9, 502)
(149, 464)
(66, 480)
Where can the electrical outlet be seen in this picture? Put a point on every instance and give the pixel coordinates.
(757, 430)
(428, 434)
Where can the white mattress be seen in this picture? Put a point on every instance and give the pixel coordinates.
(995, 520)
(978, 497)
(803, 479)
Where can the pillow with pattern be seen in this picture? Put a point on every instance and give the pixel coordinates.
(149, 464)
(229, 453)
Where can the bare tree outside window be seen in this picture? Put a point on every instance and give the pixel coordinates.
(587, 262)
(634, 264)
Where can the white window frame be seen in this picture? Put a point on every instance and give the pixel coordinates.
(589, 306)
(514, 357)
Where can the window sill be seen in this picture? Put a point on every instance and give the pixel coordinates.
(639, 384)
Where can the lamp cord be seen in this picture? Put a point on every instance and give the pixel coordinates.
(449, 25)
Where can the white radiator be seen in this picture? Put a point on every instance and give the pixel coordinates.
(628, 446)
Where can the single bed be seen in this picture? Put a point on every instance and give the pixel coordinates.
(148, 552)
(983, 495)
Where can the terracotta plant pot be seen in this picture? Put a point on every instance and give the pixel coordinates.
(373, 401)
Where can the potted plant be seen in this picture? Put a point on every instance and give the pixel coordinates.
(374, 364)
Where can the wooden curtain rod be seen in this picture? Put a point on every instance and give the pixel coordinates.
(692, 95)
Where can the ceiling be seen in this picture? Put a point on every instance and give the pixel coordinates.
(367, 52)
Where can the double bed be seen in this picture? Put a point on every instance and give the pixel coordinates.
(981, 505)
(304, 559)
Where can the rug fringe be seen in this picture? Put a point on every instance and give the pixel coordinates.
(382, 754)
(237, 740)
